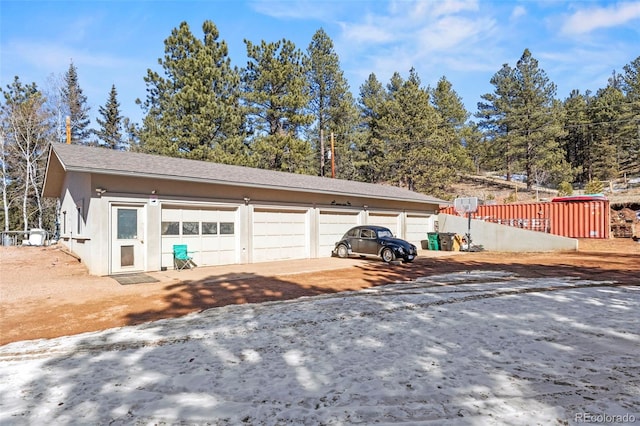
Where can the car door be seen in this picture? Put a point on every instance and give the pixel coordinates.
(367, 244)
(353, 238)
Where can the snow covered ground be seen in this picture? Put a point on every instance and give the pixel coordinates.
(486, 348)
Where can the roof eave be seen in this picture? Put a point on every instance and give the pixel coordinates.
(54, 169)
(245, 184)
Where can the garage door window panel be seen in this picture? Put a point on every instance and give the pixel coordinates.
(190, 228)
(227, 228)
(170, 228)
(209, 228)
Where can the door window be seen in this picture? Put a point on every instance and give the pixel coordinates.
(127, 224)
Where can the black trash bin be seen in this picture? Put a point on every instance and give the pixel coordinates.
(446, 240)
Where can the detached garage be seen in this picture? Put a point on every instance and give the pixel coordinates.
(123, 212)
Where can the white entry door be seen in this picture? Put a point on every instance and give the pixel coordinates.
(127, 239)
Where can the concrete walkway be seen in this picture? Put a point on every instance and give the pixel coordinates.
(271, 269)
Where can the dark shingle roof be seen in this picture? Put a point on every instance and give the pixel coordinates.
(80, 158)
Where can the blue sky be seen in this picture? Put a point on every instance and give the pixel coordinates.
(577, 43)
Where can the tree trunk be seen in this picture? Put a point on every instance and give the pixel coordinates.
(5, 202)
(27, 178)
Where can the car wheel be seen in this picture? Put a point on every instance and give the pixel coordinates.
(343, 251)
(387, 255)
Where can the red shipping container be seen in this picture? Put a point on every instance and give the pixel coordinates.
(574, 219)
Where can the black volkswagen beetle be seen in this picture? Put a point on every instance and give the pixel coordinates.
(371, 240)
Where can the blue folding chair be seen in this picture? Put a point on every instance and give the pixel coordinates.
(181, 258)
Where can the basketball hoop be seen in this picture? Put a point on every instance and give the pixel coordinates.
(465, 205)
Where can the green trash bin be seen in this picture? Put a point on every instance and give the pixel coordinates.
(433, 241)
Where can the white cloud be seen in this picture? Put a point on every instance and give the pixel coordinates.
(517, 12)
(306, 9)
(450, 32)
(587, 20)
(437, 38)
(419, 26)
(366, 33)
(52, 56)
(450, 7)
(80, 28)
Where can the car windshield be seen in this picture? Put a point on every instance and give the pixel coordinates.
(385, 233)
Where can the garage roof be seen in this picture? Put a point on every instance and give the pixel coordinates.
(79, 158)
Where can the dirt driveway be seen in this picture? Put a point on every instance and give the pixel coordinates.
(46, 293)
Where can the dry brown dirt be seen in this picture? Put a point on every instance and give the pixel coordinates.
(46, 293)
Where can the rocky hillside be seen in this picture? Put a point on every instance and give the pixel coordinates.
(492, 189)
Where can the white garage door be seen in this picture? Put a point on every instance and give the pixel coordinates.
(333, 226)
(280, 235)
(210, 234)
(390, 221)
(417, 229)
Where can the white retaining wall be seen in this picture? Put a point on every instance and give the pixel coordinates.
(494, 237)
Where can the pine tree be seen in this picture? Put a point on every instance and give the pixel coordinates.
(408, 125)
(454, 117)
(605, 133)
(631, 117)
(194, 111)
(538, 126)
(577, 140)
(371, 148)
(496, 122)
(276, 92)
(110, 132)
(447, 102)
(476, 147)
(524, 123)
(404, 125)
(76, 105)
(131, 131)
(331, 104)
